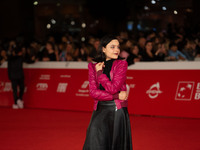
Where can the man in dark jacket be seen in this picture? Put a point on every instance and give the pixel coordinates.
(16, 75)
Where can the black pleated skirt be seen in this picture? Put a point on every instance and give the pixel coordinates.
(109, 128)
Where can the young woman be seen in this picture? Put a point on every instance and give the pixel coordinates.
(148, 54)
(109, 128)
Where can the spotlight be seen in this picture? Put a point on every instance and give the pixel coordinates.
(164, 8)
(48, 26)
(175, 12)
(146, 8)
(83, 25)
(35, 3)
(153, 2)
(58, 4)
(83, 39)
(72, 23)
(53, 21)
(97, 21)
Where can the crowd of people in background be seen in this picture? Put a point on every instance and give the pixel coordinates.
(151, 46)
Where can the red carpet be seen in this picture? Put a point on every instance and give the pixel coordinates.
(36, 129)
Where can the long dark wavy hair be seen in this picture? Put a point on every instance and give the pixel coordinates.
(100, 56)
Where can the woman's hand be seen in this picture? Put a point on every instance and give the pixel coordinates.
(99, 66)
(123, 95)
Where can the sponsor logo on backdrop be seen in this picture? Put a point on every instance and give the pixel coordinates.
(129, 77)
(42, 86)
(44, 77)
(84, 91)
(154, 91)
(65, 76)
(184, 90)
(1, 86)
(197, 94)
(62, 87)
(85, 84)
(5, 87)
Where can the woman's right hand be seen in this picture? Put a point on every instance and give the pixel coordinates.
(123, 95)
(99, 66)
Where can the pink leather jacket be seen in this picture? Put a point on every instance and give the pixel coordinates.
(112, 88)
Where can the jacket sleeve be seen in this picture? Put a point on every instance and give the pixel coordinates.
(119, 78)
(93, 86)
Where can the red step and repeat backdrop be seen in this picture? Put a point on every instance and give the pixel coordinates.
(161, 89)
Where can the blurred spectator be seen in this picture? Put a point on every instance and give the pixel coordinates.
(70, 50)
(51, 39)
(123, 35)
(3, 56)
(179, 41)
(93, 49)
(198, 48)
(70, 47)
(12, 44)
(90, 49)
(148, 54)
(125, 48)
(82, 53)
(63, 50)
(64, 39)
(96, 44)
(174, 53)
(141, 45)
(189, 50)
(134, 55)
(160, 52)
(48, 54)
(29, 56)
(16, 75)
(151, 36)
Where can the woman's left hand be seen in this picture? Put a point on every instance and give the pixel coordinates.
(123, 95)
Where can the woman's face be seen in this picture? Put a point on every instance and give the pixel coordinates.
(149, 46)
(112, 50)
(3, 53)
(96, 44)
(48, 46)
(135, 50)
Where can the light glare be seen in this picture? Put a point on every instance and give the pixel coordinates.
(175, 12)
(53, 21)
(146, 8)
(35, 3)
(83, 25)
(164, 8)
(72, 22)
(153, 2)
(48, 26)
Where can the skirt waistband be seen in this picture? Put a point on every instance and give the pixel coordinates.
(107, 103)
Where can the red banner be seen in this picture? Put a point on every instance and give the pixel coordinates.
(161, 92)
